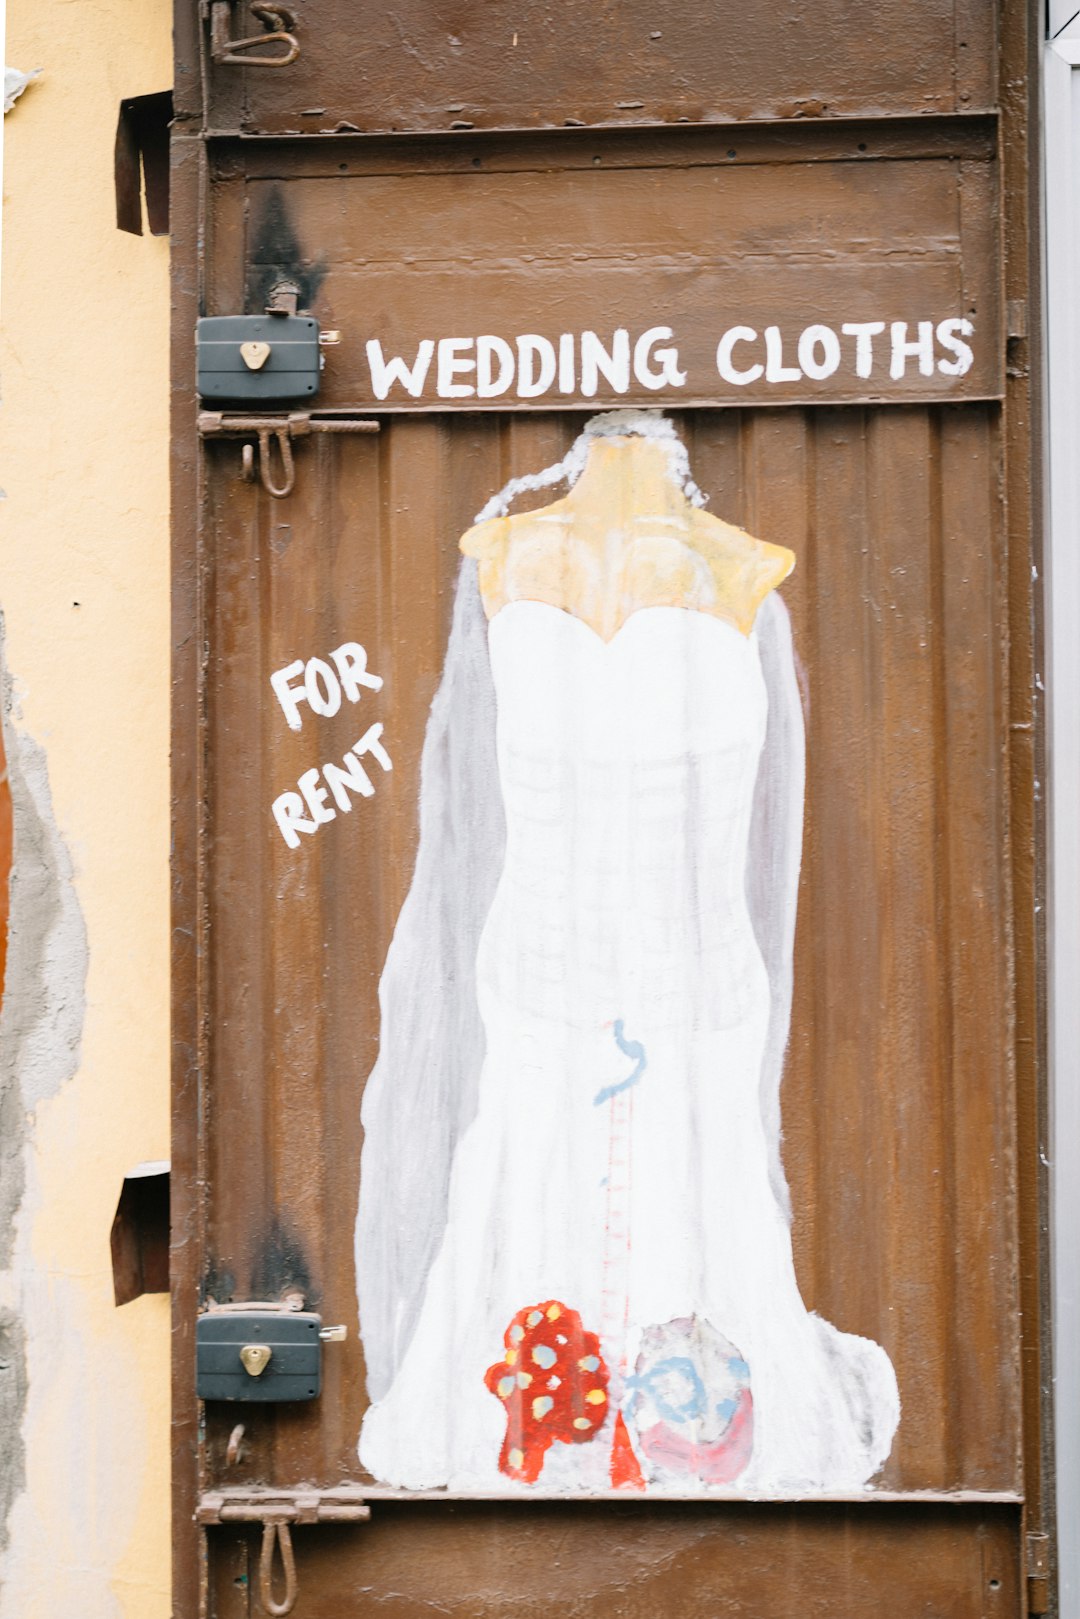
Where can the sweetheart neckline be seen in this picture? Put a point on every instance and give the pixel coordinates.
(664, 609)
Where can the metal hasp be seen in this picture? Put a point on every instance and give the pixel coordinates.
(278, 23)
(284, 429)
(345, 1503)
(276, 1510)
(260, 1352)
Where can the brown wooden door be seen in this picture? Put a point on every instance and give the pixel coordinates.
(814, 216)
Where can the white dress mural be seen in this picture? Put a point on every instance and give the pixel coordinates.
(573, 1247)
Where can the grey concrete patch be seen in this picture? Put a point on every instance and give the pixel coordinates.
(41, 1021)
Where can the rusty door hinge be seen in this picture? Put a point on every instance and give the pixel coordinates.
(284, 429)
(1038, 1573)
(278, 24)
(276, 1510)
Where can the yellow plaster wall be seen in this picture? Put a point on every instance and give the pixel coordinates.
(83, 464)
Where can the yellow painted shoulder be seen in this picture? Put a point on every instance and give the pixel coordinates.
(744, 569)
(484, 538)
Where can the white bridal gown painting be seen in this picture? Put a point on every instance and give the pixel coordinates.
(573, 1246)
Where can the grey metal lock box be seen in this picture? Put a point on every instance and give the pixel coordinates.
(257, 359)
(262, 1355)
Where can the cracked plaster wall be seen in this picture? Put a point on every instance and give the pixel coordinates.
(84, 1387)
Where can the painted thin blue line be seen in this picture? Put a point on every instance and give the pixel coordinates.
(629, 1048)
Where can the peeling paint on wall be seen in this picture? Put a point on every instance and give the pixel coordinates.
(15, 83)
(84, 1416)
(84, 1047)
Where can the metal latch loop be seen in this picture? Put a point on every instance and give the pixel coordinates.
(228, 52)
(276, 1530)
(284, 443)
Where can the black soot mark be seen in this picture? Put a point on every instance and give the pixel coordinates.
(280, 1266)
(218, 1284)
(276, 254)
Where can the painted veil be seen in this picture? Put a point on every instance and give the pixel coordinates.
(573, 1247)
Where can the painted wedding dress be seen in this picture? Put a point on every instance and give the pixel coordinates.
(609, 1298)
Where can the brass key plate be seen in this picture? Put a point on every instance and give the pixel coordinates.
(255, 1358)
(254, 355)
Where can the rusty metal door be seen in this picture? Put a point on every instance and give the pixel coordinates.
(800, 239)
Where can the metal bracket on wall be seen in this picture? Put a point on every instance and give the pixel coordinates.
(276, 1510)
(284, 429)
(278, 24)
